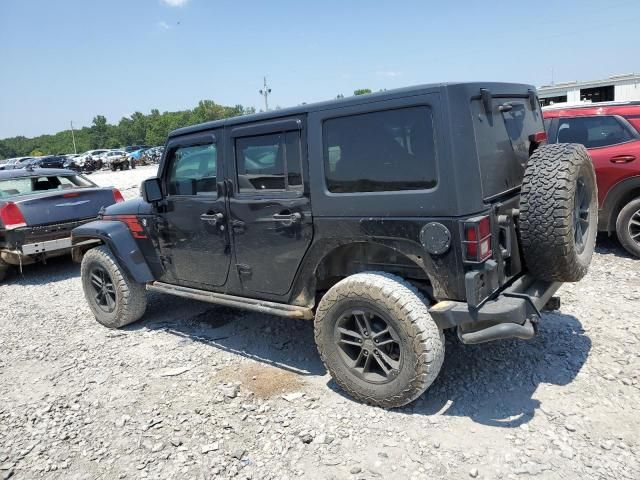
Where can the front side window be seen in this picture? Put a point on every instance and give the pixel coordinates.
(390, 150)
(592, 132)
(269, 162)
(193, 170)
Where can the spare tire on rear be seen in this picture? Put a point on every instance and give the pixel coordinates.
(559, 212)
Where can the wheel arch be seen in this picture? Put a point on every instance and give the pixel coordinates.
(332, 263)
(615, 200)
(117, 237)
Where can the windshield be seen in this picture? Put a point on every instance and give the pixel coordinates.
(15, 187)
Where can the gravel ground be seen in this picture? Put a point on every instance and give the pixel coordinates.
(196, 391)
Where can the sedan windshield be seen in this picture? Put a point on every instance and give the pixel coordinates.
(15, 187)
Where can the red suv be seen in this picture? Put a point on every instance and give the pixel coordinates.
(611, 133)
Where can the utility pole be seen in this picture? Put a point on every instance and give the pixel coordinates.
(265, 93)
(73, 137)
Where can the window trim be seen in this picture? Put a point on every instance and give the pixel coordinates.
(325, 185)
(208, 139)
(261, 130)
(623, 122)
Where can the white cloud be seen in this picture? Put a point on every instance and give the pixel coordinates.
(389, 73)
(174, 3)
(163, 25)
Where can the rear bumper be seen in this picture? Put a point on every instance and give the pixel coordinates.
(32, 252)
(514, 313)
(53, 246)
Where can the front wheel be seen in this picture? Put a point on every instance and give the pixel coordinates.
(377, 339)
(628, 227)
(114, 297)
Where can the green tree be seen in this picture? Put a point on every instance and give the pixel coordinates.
(138, 128)
(99, 132)
(362, 91)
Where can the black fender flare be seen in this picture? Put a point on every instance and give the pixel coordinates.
(612, 203)
(117, 236)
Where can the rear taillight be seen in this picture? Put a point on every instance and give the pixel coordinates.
(117, 196)
(476, 245)
(538, 137)
(12, 217)
(536, 140)
(135, 227)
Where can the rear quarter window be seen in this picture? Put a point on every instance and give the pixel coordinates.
(383, 151)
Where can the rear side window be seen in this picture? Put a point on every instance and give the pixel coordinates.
(269, 162)
(382, 151)
(593, 132)
(193, 170)
(16, 187)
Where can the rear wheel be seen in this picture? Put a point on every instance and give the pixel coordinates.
(114, 297)
(377, 339)
(628, 227)
(559, 212)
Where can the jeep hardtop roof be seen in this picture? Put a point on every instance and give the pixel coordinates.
(469, 88)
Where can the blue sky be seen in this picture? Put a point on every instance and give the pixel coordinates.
(65, 60)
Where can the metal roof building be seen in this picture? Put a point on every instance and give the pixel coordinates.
(618, 88)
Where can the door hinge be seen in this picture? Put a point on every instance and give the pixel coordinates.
(243, 270)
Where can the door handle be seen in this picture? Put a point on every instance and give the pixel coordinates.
(622, 159)
(212, 218)
(288, 218)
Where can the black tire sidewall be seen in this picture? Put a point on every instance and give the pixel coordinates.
(343, 374)
(107, 319)
(622, 227)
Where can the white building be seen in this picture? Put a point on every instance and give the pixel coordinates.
(619, 88)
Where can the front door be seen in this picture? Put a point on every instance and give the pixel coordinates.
(270, 206)
(195, 241)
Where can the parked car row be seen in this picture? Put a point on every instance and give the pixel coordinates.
(91, 160)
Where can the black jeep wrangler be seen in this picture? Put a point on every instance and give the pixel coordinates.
(386, 218)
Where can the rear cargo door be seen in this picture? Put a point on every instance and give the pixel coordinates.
(503, 125)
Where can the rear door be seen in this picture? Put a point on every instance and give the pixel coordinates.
(270, 207)
(192, 227)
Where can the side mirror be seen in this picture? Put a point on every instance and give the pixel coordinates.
(151, 191)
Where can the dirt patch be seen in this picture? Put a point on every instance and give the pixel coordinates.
(263, 380)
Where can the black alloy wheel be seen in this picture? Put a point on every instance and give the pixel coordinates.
(104, 292)
(582, 202)
(368, 345)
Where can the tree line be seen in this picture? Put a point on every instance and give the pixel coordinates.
(138, 129)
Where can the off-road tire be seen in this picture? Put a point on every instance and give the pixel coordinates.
(131, 298)
(547, 227)
(422, 342)
(628, 214)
